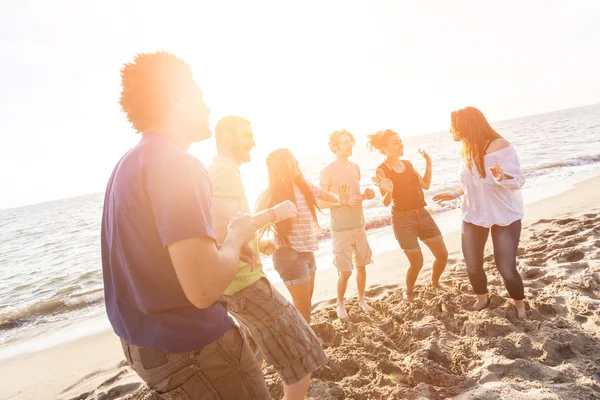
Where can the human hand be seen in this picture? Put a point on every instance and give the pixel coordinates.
(440, 198)
(344, 194)
(242, 226)
(497, 172)
(248, 255)
(425, 155)
(285, 210)
(267, 246)
(369, 194)
(384, 184)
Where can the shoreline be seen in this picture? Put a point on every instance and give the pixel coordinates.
(48, 372)
(382, 242)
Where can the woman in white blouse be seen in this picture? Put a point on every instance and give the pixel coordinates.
(491, 180)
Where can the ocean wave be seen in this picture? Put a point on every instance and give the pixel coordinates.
(14, 318)
(571, 162)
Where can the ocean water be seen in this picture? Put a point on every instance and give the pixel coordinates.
(50, 268)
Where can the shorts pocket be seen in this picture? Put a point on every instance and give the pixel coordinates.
(187, 384)
(236, 304)
(292, 334)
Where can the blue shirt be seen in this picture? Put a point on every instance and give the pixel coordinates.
(158, 194)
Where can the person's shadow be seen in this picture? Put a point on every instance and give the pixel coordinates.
(597, 376)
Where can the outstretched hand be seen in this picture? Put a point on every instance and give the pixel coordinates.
(425, 155)
(442, 197)
(369, 194)
(384, 184)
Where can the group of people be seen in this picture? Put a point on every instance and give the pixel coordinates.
(180, 243)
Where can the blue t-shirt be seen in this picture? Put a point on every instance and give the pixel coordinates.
(157, 195)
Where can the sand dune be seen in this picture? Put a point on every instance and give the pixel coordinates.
(436, 348)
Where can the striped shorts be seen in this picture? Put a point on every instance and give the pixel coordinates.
(284, 338)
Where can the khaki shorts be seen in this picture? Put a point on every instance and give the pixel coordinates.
(223, 369)
(351, 245)
(284, 338)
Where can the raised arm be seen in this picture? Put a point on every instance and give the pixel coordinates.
(425, 180)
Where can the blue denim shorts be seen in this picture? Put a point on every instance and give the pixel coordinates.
(409, 226)
(294, 267)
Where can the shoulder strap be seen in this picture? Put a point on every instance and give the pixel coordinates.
(486, 146)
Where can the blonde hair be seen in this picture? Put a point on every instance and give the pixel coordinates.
(334, 138)
(470, 126)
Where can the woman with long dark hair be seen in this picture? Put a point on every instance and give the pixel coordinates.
(296, 238)
(491, 179)
(401, 185)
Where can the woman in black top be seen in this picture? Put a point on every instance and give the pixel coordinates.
(402, 185)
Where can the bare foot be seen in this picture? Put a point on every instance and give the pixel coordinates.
(341, 311)
(482, 302)
(520, 309)
(521, 313)
(409, 297)
(366, 308)
(438, 286)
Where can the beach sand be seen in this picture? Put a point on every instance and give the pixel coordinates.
(434, 348)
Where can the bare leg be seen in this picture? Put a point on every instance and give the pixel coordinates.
(301, 298)
(342, 284)
(440, 253)
(416, 263)
(481, 302)
(298, 390)
(361, 283)
(312, 285)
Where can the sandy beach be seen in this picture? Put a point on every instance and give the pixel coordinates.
(434, 348)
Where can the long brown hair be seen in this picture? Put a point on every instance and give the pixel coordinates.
(282, 178)
(470, 126)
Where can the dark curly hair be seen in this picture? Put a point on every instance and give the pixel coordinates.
(148, 85)
(378, 140)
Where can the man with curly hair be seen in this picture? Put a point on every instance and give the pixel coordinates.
(164, 274)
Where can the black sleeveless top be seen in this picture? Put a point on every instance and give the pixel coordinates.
(408, 194)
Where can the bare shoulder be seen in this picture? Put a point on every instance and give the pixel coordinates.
(380, 172)
(497, 144)
(355, 166)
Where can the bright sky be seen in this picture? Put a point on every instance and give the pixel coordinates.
(296, 71)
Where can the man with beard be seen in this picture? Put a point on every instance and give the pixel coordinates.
(279, 331)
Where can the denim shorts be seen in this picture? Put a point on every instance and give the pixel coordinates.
(409, 226)
(294, 267)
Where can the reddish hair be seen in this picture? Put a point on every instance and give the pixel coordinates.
(470, 126)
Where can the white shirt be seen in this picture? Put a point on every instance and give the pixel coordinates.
(489, 202)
